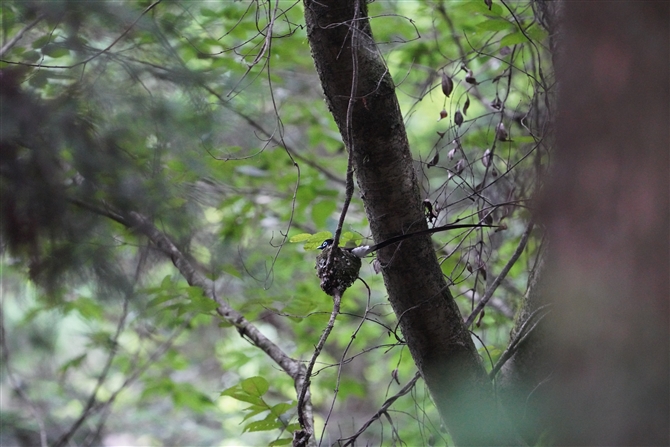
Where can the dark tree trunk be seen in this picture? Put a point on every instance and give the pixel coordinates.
(430, 321)
(607, 216)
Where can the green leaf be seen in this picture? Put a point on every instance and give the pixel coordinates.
(202, 305)
(86, 307)
(514, 38)
(495, 25)
(41, 41)
(253, 411)
(31, 56)
(348, 236)
(280, 441)
(537, 33)
(281, 408)
(55, 51)
(300, 237)
(255, 386)
(263, 425)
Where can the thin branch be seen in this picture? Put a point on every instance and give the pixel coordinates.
(520, 337)
(11, 42)
(349, 189)
(97, 53)
(305, 419)
(91, 403)
(142, 224)
(87, 411)
(16, 387)
(515, 256)
(384, 408)
(343, 360)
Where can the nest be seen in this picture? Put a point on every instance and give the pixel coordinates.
(342, 272)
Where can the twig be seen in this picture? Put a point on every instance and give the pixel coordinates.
(11, 42)
(90, 404)
(520, 337)
(344, 361)
(307, 422)
(16, 387)
(383, 409)
(515, 256)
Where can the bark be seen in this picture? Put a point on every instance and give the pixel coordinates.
(371, 124)
(607, 215)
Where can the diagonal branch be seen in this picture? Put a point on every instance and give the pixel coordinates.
(140, 223)
(503, 274)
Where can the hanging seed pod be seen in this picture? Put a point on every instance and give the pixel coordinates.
(377, 266)
(451, 153)
(433, 161)
(460, 166)
(447, 85)
(394, 376)
(485, 217)
(488, 3)
(501, 132)
(486, 158)
(481, 317)
(482, 269)
(458, 118)
(443, 114)
(466, 106)
(497, 103)
(470, 78)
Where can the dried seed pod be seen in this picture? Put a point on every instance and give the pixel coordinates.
(433, 161)
(470, 78)
(452, 153)
(501, 132)
(479, 320)
(447, 85)
(458, 118)
(485, 217)
(497, 103)
(486, 158)
(443, 114)
(488, 3)
(377, 266)
(460, 166)
(482, 269)
(466, 106)
(394, 375)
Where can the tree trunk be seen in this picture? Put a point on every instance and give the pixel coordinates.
(607, 215)
(371, 124)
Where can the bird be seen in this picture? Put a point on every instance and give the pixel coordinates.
(364, 250)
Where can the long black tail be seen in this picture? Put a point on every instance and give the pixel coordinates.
(402, 237)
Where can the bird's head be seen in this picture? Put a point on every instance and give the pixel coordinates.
(325, 244)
